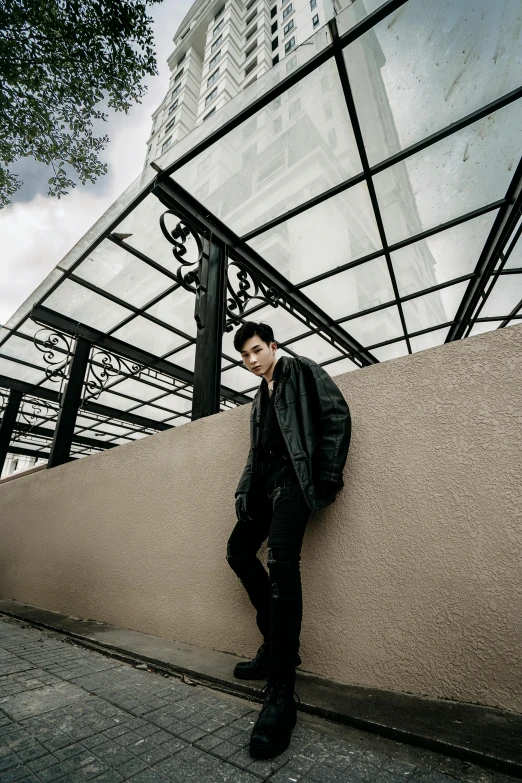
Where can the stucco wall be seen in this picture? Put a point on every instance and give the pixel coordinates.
(411, 579)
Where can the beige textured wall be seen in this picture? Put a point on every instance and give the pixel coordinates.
(411, 579)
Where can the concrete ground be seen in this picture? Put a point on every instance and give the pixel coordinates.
(72, 714)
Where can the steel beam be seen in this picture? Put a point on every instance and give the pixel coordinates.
(502, 229)
(175, 197)
(67, 325)
(70, 404)
(210, 320)
(8, 424)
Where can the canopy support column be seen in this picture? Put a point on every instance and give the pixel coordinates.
(210, 319)
(8, 424)
(70, 403)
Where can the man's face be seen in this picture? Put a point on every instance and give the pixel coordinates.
(257, 355)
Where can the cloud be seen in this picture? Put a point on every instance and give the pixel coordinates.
(37, 231)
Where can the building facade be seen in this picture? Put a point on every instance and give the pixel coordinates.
(222, 47)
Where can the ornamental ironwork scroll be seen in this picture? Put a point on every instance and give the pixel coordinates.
(242, 291)
(102, 367)
(56, 349)
(187, 273)
(34, 410)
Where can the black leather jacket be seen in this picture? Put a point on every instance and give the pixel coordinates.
(315, 422)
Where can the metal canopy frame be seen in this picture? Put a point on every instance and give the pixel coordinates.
(97, 407)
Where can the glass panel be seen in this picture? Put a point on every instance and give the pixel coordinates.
(295, 148)
(260, 87)
(121, 274)
(355, 12)
(149, 336)
(173, 402)
(21, 372)
(429, 64)
(113, 401)
(24, 309)
(433, 309)
(136, 389)
(185, 358)
(359, 288)
(284, 325)
(515, 257)
(85, 306)
(177, 309)
(340, 367)
(179, 421)
(333, 233)
(151, 412)
(505, 296)
(239, 378)
(375, 327)
(441, 257)
(314, 347)
(457, 175)
(484, 326)
(392, 351)
(429, 340)
(111, 429)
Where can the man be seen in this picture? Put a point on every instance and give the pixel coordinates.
(299, 436)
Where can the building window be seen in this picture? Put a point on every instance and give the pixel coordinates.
(324, 84)
(273, 12)
(249, 155)
(251, 17)
(287, 11)
(275, 43)
(250, 4)
(216, 43)
(315, 21)
(221, 11)
(218, 27)
(249, 129)
(170, 124)
(278, 124)
(213, 60)
(250, 82)
(178, 75)
(175, 91)
(185, 33)
(251, 32)
(166, 144)
(172, 107)
(274, 27)
(275, 59)
(276, 103)
(209, 113)
(210, 97)
(290, 45)
(288, 27)
(212, 78)
(181, 59)
(294, 108)
(251, 49)
(313, 4)
(250, 67)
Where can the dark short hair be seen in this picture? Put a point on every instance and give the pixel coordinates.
(248, 330)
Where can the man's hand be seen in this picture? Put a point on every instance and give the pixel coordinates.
(241, 507)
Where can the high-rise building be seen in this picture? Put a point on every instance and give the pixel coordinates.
(220, 48)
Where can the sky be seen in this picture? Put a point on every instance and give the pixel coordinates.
(36, 230)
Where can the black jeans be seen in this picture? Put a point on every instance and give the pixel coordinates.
(280, 513)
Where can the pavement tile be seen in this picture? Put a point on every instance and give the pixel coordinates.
(17, 774)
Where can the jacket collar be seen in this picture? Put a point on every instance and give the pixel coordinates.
(281, 370)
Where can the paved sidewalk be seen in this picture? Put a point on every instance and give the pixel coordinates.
(71, 714)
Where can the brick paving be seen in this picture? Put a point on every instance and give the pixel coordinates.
(71, 714)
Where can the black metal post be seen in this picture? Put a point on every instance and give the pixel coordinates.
(8, 424)
(210, 319)
(70, 402)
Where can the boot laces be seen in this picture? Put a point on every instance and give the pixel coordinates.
(271, 690)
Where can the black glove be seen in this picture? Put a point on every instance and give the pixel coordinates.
(329, 488)
(241, 507)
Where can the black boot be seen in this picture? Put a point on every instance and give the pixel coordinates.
(258, 668)
(273, 729)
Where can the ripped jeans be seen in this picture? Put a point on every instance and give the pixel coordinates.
(280, 513)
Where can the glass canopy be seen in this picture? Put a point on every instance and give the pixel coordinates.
(375, 172)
